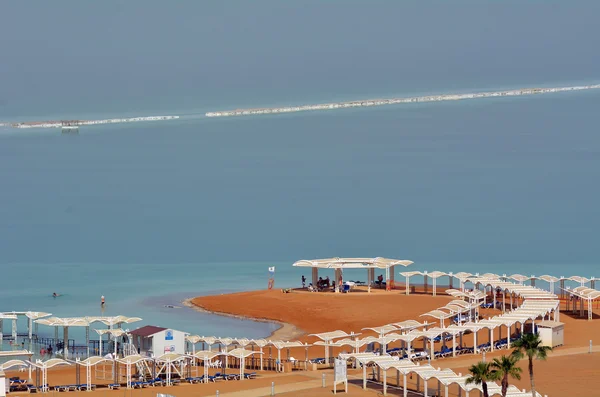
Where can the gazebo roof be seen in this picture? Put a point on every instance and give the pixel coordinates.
(352, 263)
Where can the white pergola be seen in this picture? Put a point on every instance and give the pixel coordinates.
(43, 366)
(167, 362)
(114, 333)
(206, 356)
(445, 377)
(86, 322)
(584, 294)
(128, 362)
(13, 316)
(329, 337)
(12, 363)
(339, 264)
(88, 363)
(241, 355)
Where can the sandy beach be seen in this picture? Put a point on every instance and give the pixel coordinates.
(570, 370)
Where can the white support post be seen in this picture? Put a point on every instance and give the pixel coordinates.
(364, 365)
(14, 330)
(453, 345)
(385, 382)
(66, 343)
(405, 388)
(30, 328)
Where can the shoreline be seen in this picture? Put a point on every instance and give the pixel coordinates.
(286, 331)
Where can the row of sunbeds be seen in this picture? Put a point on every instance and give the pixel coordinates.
(220, 376)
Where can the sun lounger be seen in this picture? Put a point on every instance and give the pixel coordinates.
(32, 389)
(114, 386)
(251, 375)
(319, 360)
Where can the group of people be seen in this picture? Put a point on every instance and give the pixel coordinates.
(49, 350)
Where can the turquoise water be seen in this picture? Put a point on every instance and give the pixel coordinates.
(149, 214)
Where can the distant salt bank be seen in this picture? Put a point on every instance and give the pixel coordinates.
(76, 123)
(395, 101)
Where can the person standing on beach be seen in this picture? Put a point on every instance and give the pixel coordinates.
(303, 281)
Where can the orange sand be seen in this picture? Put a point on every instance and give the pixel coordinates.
(569, 372)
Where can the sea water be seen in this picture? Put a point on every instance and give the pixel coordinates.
(149, 214)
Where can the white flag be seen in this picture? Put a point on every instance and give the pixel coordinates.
(272, 269)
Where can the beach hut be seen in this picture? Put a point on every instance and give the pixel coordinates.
(151, 340)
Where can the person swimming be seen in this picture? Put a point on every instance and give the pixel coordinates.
(54, 294)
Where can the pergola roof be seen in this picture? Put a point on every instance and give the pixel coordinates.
(8, 316)
(242, 353)
(549, 279)
(13, 363)
(208, 355)
(427, 372)
(53, 362)
(408, 325)
(85, 321)
(207, 339)
(282, 345)
(584, 292)
(437, 314)
(352, 263)
(133, 359)
(91, 361)
(115, 332)
(15, 353)
(170, 357)
(384, 329)
(331, 335)
(578, 279)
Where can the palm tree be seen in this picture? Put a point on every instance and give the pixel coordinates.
(481, 373)
(504, 367)
(530, 346)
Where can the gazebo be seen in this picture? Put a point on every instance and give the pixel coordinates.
(339, 264)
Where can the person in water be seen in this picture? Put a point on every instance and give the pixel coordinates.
(102, 300)
(54, 294)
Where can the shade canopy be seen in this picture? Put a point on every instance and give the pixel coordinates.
(352, 263)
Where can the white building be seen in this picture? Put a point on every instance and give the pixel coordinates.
(156, 341)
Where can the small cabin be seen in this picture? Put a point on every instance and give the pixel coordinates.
(155, 341)
(551, 333)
